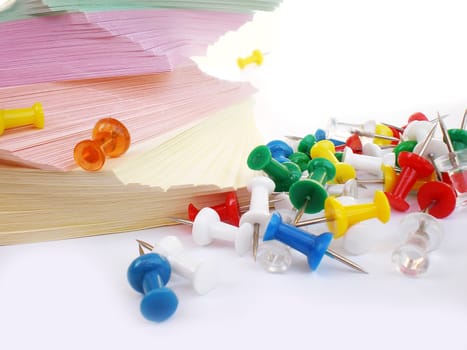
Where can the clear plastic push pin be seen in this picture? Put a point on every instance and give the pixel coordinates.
(422, 233)
(454, 163)
(274, 256)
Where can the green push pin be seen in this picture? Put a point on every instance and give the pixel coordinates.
(283, 174)
(301, 159)
(306, 143)
(308, 195)
(405, 146)
(458, 138)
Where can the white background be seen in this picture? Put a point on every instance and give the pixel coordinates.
(353, 60)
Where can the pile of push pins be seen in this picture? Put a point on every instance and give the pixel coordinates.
(315, 179)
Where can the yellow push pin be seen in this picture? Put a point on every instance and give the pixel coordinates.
(326, 149)
(340, 217)
(13, 118)
(382, 130)
(255, 57)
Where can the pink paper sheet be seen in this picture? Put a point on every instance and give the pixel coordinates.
(105, 44)
(148, 105)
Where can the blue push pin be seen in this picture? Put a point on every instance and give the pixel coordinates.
(148, 274)
(321, 134)
(314, 247)
(280, 150)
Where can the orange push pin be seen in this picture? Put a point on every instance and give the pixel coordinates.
(255, 57)
(13, 118)
(110, 138)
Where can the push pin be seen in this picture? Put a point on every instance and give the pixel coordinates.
(413, 167)
(280, 150)
(148, 274)
(203, 275)
(326, 149)
(422, 233)
(339, 217)
(110, 138)
(229, 211)
(283, 175)
(366, 163)
(314, 247)
(418, 130)
(208, 227)
(437, 199)
(260, 188)
(361, 237)
(301, 159)
(454, 163)
(458, 138)
(13, 118)
(348, 189)
(255, 57)
(388, 178)
(308, 195)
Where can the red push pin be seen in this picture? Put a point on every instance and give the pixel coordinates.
(413, 167)
(229, 211)
(353, 142)
(437, 198)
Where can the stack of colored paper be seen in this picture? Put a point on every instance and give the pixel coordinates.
(190, 132)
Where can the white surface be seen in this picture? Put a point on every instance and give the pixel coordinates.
(352, 60)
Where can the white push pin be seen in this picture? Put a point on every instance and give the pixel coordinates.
(361, 237)
(260, 188)
(422, 233)
(366, 163)
(208, 226)
(418, 131)
(347, 189)
(204, 276)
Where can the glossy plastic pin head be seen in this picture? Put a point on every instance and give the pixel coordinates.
(229, 211)
(310, 193)
(13, 118)
(421, 234)
(110, 138)
(314, 247)
(148, 274)
(326, 149)
(283, 175)
(413, 167)
(438, 198)
(340, 217)
(255, 57)
(280, 150)
(203, 275)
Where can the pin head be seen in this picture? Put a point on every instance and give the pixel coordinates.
(438, 197)
(110, 138)
(159, 303)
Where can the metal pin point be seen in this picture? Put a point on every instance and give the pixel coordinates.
(300, 213)
(140, 249)
(394, 127)
(333, 254)
(255, 240)
(464, 120)
(426, 141)
(271, 203)
(447, 140)
(376, 136)
(145, 245)
(431, 157)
